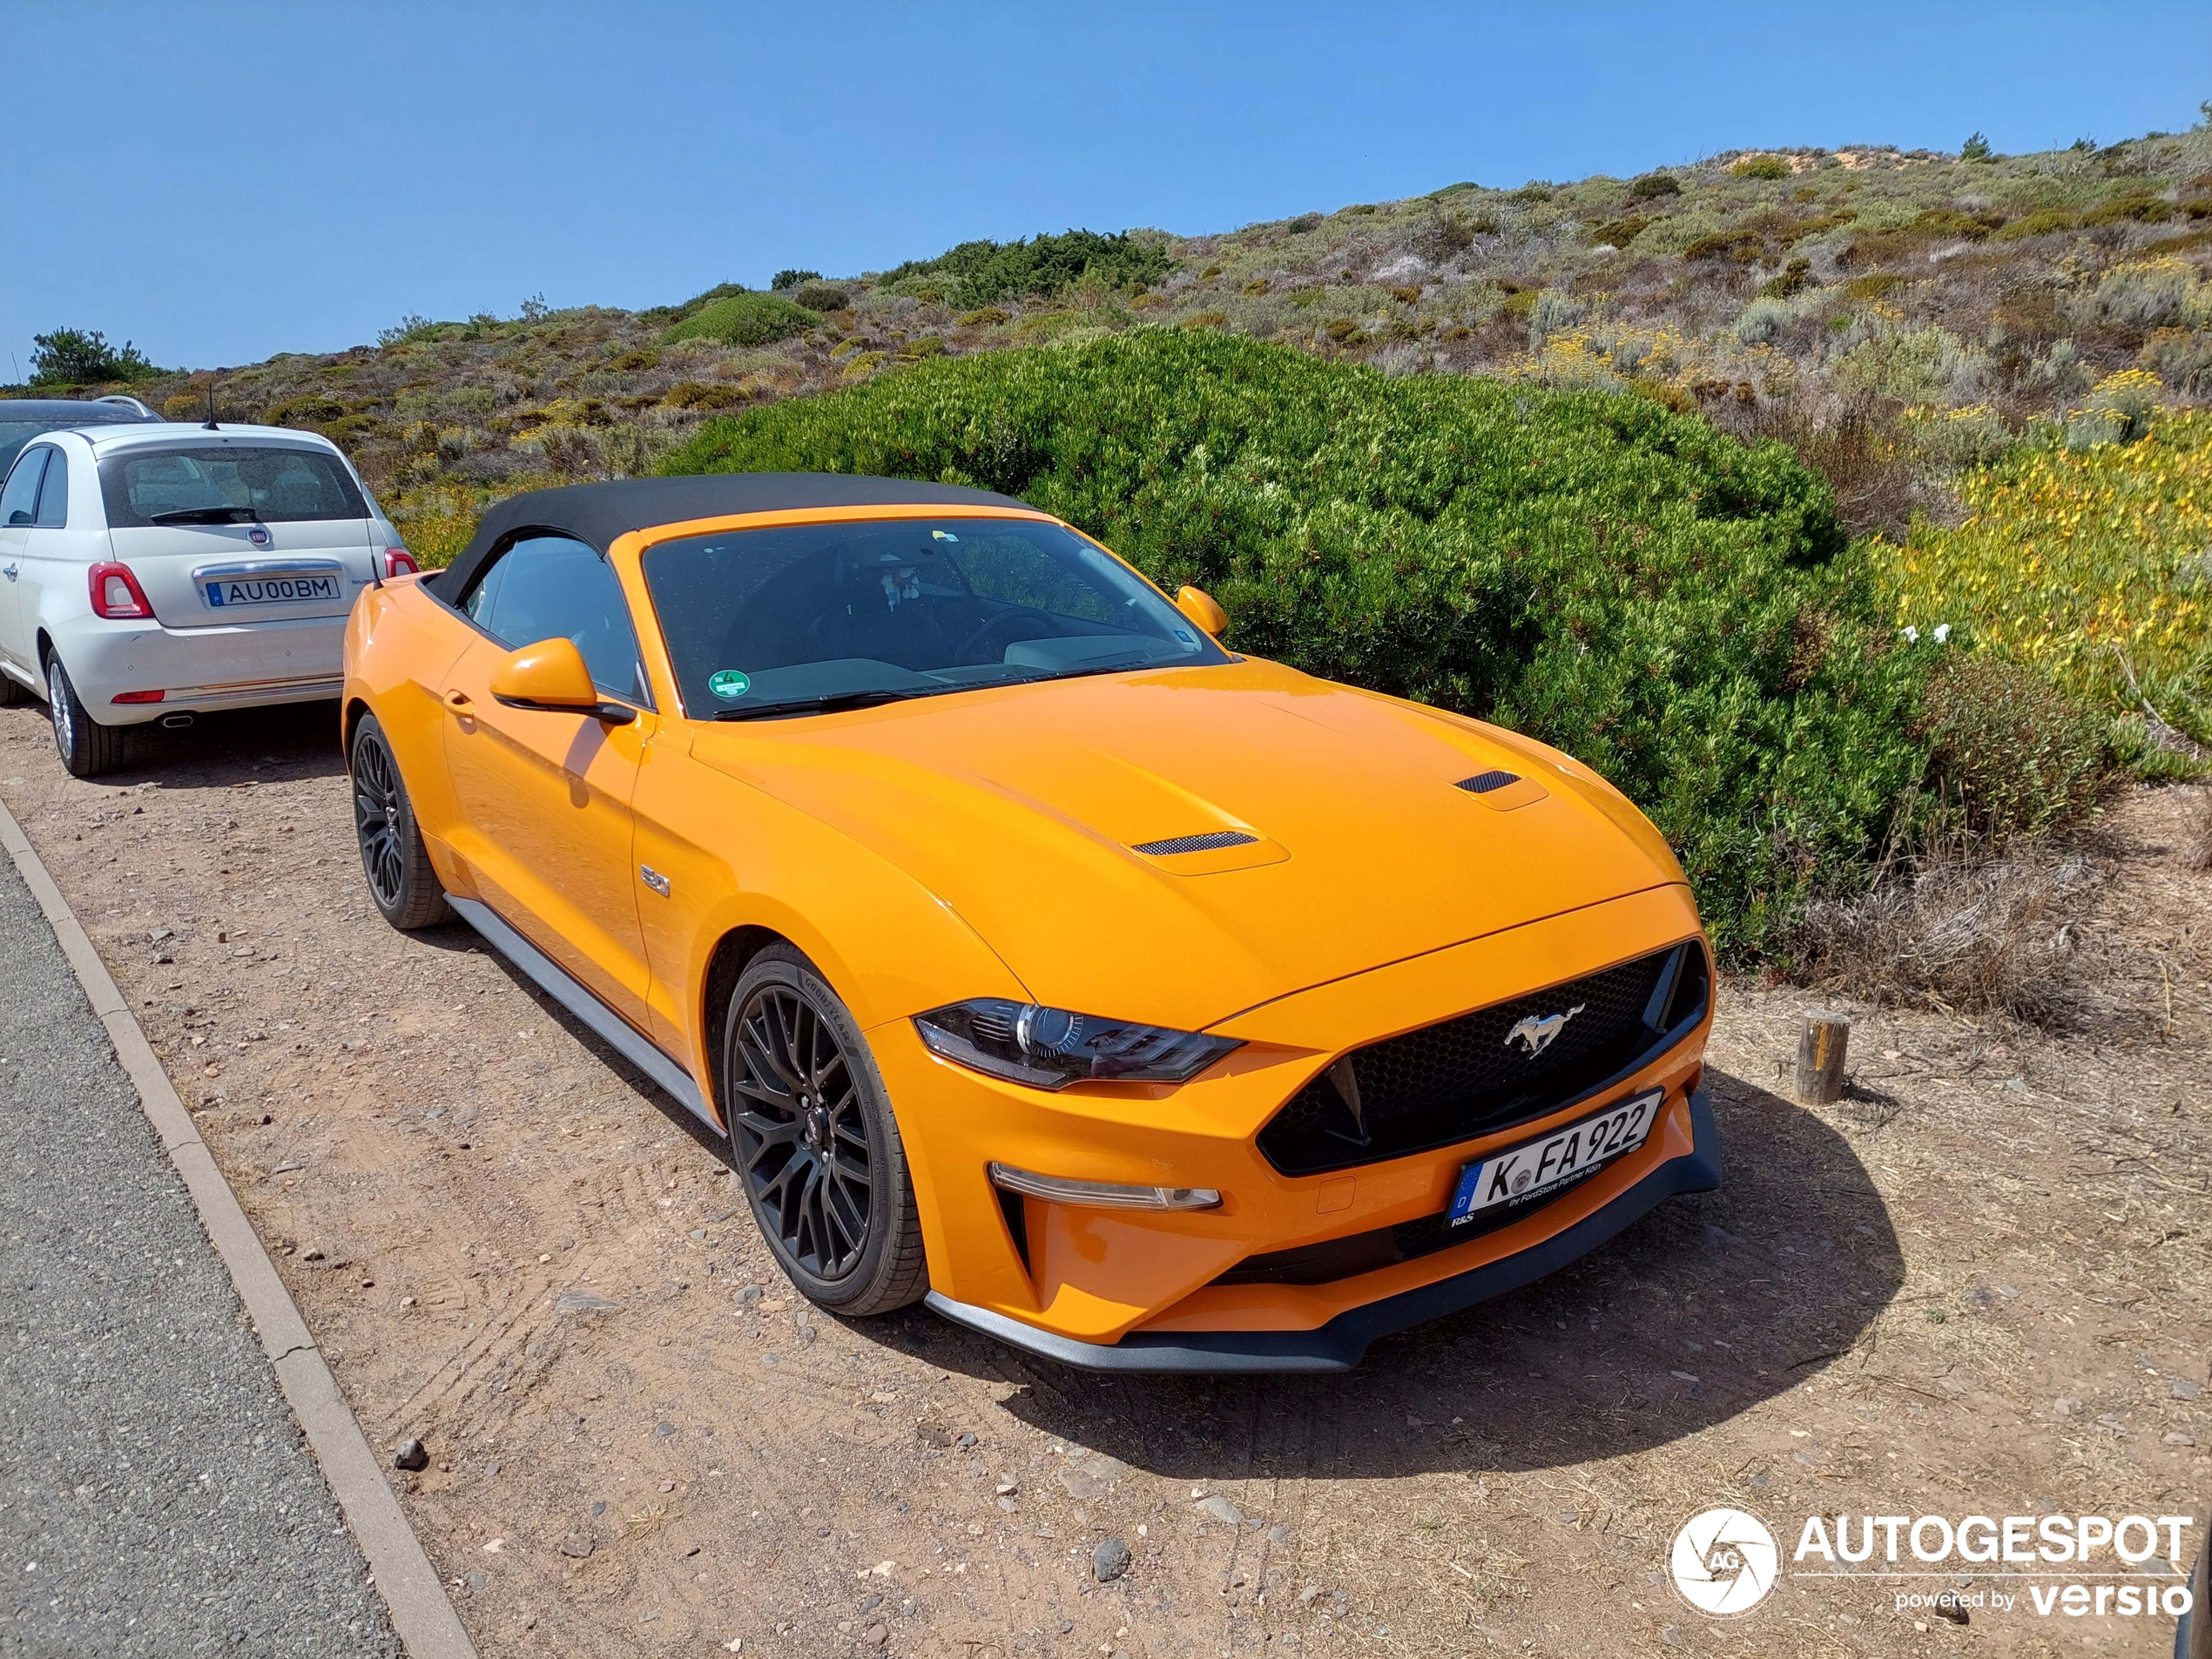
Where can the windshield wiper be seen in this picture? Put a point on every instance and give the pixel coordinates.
(833, 701)
(830, 702)
(205, 515)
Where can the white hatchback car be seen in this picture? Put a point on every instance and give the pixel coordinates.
(151, 572)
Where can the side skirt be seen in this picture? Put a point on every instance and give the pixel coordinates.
(610, 1027)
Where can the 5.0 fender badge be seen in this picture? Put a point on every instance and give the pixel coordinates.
(1535, 1034)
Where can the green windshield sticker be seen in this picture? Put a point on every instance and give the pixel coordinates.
(728, 683)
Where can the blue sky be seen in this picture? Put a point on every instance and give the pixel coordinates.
(221, 181)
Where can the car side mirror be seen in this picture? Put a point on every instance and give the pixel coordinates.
(551, 675)
(21, 515)
(1200, 606)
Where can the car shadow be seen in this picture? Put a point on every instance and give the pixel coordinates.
(1706, 1306)
(277, 744)
(459, 936)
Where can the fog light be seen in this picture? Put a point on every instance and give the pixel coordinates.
(1102, 1195)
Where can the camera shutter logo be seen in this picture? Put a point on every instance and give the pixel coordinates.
(1724, 1562)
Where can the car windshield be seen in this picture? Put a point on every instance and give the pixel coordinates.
(818, 615)
(15, 434)
(209, 483)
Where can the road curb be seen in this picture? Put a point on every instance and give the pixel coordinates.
(421, 1613)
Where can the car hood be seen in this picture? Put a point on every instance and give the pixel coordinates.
(1023, 807)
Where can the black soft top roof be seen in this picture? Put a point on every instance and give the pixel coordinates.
(599, 514)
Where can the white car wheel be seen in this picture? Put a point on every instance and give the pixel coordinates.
(87, 748)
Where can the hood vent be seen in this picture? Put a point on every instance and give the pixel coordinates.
(1209, 843)
(1483, 782)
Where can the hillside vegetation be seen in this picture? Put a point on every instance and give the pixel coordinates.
(1821, 296)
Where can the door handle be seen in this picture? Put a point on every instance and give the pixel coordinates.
(458, 700)
(8, 571)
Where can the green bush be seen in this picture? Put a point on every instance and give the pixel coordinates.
(2142, 210)
(1876, 285)
(1620, 232)
(988, 271)
(83, 357)
(1796, 277)
(1682, 612)
(2042, 222)
(664, 314)
(697, 394)
(821, 296)
(1952, 221)
(1650, 186)
(787, 279)
(2012, 752)
(745, 319)
(1743, 246)
(1769, 167)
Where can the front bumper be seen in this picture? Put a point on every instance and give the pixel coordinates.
(1101, 1279)
(1343, 1342)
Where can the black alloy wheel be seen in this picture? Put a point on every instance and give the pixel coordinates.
(400, 880)
(814, 1140)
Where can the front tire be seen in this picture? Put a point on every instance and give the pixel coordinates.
(815, 1142)
(87, 748)
(400, 880)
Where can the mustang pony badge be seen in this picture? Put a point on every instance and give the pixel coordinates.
(1536, 1035)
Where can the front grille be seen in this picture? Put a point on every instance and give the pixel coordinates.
(1476, 1074)
(1195, 843)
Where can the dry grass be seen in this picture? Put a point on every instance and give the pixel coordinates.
(1880, 484)
(2196, 851)
(1960, 928)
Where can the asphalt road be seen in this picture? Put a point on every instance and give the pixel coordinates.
(156, 1497)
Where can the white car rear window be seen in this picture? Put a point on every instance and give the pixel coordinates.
(230, 484)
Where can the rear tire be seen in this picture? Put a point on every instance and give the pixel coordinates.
(400, 880)
(815, 1143)
(87, 748)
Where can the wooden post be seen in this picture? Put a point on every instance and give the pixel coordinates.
(1820, 1058)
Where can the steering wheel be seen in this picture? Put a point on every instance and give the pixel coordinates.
(989, 632)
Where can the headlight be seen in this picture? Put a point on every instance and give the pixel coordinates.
(1051, 1048)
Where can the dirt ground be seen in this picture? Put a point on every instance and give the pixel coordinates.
(1978, 1285)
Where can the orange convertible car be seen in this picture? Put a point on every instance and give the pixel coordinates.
(1144, 1005)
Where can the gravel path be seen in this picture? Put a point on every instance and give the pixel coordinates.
(155, 1495)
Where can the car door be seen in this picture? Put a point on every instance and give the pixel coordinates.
(543, 798)
(18, 514)
(59, 553)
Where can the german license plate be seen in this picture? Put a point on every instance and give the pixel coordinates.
(1523, 1172)
(271, 590)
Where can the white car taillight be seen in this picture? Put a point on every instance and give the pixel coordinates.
(116, 593)
(399, 562)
